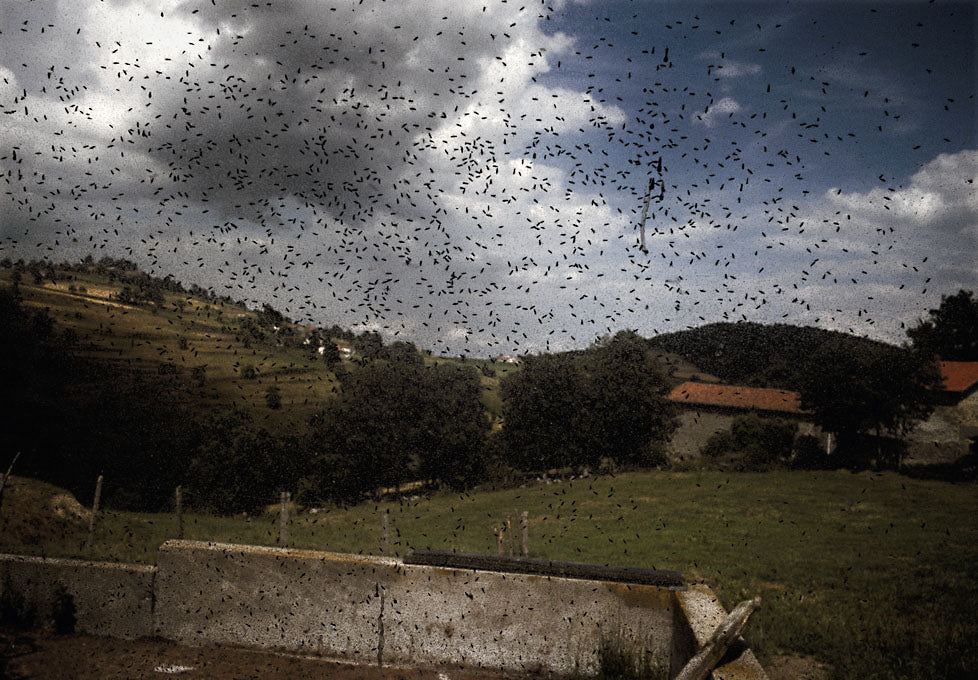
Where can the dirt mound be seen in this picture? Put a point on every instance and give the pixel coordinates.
(34, 512)
(66, 506)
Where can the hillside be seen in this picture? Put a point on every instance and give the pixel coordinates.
(748, 353)
(211, 343)
(217, 344)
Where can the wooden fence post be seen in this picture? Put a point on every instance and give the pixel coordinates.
(500, 534)
(283, 521)
(525, 534)
(179, 501)
(509, 530)
(91, 522)
(385, 525)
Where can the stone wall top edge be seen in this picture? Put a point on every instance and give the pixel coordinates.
(71, 562)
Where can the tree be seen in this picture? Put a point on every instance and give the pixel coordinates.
(951, 331)
(876, 389)
(453, 425)
(238, 468)
(370, 434)
(572, 410)
(543, 412)
(369, 345)
(269, 317)
(626, 406)
(331, 355)
(137, 427)
(404, 352)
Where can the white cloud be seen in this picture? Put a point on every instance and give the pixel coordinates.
(941, 197)
(724, 107)
(729, 68)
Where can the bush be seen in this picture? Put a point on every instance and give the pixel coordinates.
(756, 443)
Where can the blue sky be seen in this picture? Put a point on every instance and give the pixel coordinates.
(469, 175)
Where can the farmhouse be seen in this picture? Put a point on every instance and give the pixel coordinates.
(706, 409)
(507, 359)
(953, 427)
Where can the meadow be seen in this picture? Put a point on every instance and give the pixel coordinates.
(872, 574)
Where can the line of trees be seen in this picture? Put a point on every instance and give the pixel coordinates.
(398, 419)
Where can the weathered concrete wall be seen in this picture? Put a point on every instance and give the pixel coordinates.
(696, 426)
(942, 437)
(521, 623)
(369, 609)
(269, 597)
(376, 608)
(110, 599)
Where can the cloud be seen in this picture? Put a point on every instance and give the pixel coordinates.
(726, 106)
(729, 68)
(426, 169)
(941, 198)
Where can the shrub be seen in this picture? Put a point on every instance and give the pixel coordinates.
(757, 443)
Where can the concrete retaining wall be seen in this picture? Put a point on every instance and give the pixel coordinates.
(372, 609)
(266, 597)
(114, 600)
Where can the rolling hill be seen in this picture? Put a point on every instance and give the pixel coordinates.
(751, 354)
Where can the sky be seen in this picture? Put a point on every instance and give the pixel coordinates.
(470, 175)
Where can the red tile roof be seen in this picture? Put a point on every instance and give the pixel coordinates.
(959, 376)
(733, 396)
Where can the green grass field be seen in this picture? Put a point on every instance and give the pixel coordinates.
(871, 573)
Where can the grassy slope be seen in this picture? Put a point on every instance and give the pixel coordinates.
(873, 573)
(143, 337)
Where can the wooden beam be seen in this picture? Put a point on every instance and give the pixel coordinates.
(699, 667)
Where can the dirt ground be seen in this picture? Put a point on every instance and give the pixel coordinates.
(44, 656)
(796, 667)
